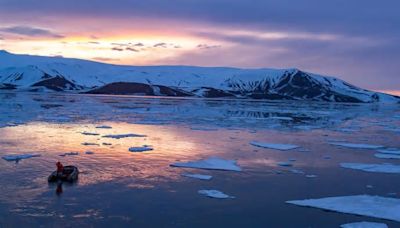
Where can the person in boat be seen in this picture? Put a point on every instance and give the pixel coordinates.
(60, 169)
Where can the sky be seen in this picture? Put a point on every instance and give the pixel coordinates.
(357, 41)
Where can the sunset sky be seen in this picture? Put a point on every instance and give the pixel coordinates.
(358, 41)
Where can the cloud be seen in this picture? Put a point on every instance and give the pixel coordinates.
(138, 45)
(131, 49)
(117, 49)
(31, 32)
(163, 45)
(206, 46)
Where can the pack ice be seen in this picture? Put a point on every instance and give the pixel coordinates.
(210, 163)
(19, 157)
(376, 168)
(141, 148)
(120, 136)
(275, 146)
(366, 205)
(364, 225)
(197, 176)
(357, 145)
(215, 194)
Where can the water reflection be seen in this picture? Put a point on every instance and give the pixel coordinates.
(178, 130)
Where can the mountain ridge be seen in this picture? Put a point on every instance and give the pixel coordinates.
(42, 73)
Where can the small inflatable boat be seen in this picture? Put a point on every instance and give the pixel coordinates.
(70, 173)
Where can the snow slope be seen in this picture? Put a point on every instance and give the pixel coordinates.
(65, 74)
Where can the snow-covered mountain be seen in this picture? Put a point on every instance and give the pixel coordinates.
(39, 73)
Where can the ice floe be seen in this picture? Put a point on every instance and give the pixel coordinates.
(89, 133)
(364, 225)
(287, 164)
(311, 176)
(197, 176)
(203, 129)
(18, 157)
(376, 168)
(215, 194)
(120, 136)
(296, 171)
(89, 144)
(210, 163)
(366, 205)
(275, 146)
(388, 156)
(357, 145)
(389, 151)
(141, 148)
(104, 127)
(69, 154)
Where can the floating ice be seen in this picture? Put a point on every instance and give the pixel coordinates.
(388, 156)
(284, 163)
(197, 176)
(311, 176)
(373, 206)
(275, 146)
(90, 144)
(203, 129)
(364, 225)
(141, 148)
(357, 145)
(296, 171)
(19, 157)
(89, 133)
(280, 118)
(104, 127)
(215, 194)
(377, 168)
(69, 154)
(327, 157)
(120, 136)
(210, 163)
(389, 151)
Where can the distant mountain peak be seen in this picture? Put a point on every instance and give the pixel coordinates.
(41, 73)
(3, 52)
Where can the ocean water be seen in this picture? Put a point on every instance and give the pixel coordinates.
(119, 188)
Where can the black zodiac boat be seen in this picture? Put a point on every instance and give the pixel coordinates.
(70, 173)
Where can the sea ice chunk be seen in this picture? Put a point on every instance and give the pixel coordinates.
(140, 148)
(69, 154)
(215, 194)
(210, 163)
(103, 127)
(284, 163)
(366, 205)
(120, 136)
(357, 145)
(89, 133)
(89, 144)
(377, 168)
(197, 176)
(19, 157)
(275, 146)
(364, 225)
(388, 156)
(389, 151)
